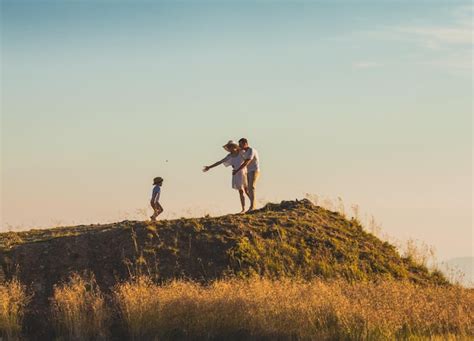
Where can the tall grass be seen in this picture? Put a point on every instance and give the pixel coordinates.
(321, 310)
(79, 310)
(13, 301)
(251, 309)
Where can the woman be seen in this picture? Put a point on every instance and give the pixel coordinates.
(234, 159)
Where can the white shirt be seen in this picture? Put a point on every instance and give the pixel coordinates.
(234, 161)
(251, 154)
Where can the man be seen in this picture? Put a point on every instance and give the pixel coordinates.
(250, 156)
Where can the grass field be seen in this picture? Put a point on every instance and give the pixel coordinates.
(252, 308)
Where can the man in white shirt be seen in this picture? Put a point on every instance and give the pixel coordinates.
(251, 161)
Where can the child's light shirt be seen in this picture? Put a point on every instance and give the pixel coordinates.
(155, 195)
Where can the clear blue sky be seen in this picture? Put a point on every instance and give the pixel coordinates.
(367, 100)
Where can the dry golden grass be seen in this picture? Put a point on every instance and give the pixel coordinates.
(292, 309)
(79, 310)
(13, 300)
(252, 309)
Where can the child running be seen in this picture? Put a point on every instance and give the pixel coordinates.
(155, 198)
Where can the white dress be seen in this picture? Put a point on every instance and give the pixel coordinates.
(239, 180)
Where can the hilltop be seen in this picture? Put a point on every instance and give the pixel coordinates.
(293, 238)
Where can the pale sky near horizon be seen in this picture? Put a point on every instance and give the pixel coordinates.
(367, 100)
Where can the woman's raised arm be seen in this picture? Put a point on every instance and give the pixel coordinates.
(206, 168)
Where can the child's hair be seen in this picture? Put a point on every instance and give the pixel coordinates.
(158, 180)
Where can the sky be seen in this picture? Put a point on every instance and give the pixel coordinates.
(370, 101)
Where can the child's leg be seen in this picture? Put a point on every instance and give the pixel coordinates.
(159, 209)
(154, 215)
(242, 199)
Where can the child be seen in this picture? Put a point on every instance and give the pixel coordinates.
(155, 198)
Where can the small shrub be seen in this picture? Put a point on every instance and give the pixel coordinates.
(79, 310)
(138, 305)
(13, 300)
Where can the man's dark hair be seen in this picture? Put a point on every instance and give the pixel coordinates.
(243, 140)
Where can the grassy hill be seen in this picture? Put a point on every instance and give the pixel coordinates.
(294, 239)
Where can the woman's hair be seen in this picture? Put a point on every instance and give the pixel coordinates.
(230, 147)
